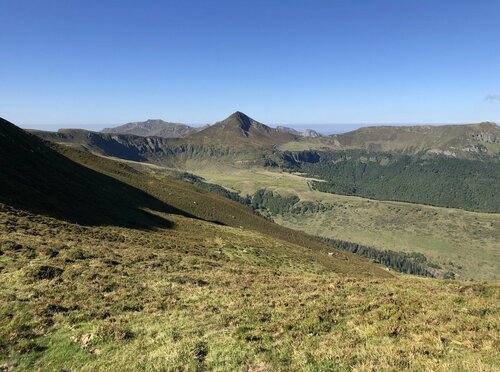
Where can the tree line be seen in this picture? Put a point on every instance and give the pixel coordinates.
(436, 180)
(409, 263)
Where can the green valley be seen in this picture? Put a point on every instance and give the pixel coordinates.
(464, 242)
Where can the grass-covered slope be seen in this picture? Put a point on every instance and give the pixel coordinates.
(455, 139)
(462, 141)
(37, 178)
(94, 298)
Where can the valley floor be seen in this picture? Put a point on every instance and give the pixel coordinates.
(466, 243)
(206, 296)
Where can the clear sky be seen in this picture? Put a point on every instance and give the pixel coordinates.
(95, 63)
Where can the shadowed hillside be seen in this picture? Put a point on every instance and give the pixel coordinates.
(38, 179)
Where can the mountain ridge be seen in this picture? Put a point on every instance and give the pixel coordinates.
(153, 128)
(464, 140)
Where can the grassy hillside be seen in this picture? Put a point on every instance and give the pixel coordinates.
(96, 298)
(481, 138)
(80, 187)
(462, 141)
(465, 243)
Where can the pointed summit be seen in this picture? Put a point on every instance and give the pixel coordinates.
(239, 128)
(238, 114)
(241, 120)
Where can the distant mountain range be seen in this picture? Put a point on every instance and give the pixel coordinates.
(240, 132)
(160, 128)
(450, 165)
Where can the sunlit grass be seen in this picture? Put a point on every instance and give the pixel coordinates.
(204, 296)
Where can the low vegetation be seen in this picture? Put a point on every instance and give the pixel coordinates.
(90, 297)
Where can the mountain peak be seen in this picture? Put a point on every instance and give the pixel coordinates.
(241, 120)
(238, 128)
(239, 114)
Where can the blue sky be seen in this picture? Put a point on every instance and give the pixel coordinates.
(96, 63)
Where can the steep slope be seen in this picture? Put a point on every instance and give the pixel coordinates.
(165, 151)
(239, 129)
(237, 139)
(123, 146)
(39, 179)
(153, 128)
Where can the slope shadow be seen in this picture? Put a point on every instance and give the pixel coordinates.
(111, 147)
(36, 178)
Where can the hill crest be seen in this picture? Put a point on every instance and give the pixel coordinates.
(460, 141)
(153, 128)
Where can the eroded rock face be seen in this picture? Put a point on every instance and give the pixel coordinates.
(442, 152)
(303, 156)
(485, 137)
(478, 149)
(281, 128)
